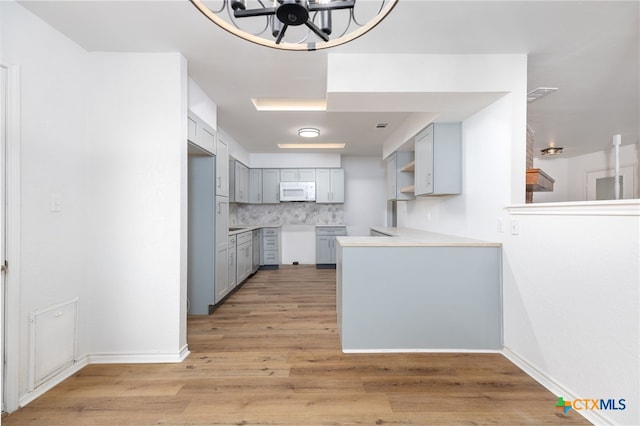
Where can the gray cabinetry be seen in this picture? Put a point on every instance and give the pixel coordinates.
(222, 236)
(256, 245)
(222, 169)
(326, 245)
(270, 257)
(200, 134)
(329, 185)
(297, 175)
(231, 266)
(438, 159)
(270, 186)
(244, 256)
(399, 175)
(255, 186)
(238, 182)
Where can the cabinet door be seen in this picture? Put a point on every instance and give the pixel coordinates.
(255, 186)
(241, 183)
(222, 222)
(222, 274)
(424, 162)
(323, 249)
(390, 173)
(288, 175)
(270, 186)
(222, 169)
(323, 186)
(337, 185)
(306, 175)
(231, 266)
(207, 138)
(192, 129)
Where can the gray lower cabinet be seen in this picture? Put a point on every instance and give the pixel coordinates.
(231, 266)
(244, 256)
(256, 244)
(326, 245)
(270, 256)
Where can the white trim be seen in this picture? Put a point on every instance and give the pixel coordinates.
(54, 381)
(554, 387)
(421, 351)
(139, 358)
(579, 208)
(12, 338)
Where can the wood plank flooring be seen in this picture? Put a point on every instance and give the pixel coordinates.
(271, 356)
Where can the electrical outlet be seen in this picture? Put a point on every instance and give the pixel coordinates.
(55, 202)
(515, 227)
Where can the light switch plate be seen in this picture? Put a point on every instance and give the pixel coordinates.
(515, 227)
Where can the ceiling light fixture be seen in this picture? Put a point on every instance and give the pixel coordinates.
(552, 150)
(540, 92)
(288, 104)
(307, 23)
(311, 145)
(309, 132)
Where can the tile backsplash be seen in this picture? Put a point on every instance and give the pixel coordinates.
(286, 214)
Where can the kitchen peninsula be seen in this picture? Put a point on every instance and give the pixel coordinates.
(406, 290)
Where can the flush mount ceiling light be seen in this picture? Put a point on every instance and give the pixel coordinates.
(552, 150)
(312, 145)
(309, 132)
(296, 24)
(540, 92)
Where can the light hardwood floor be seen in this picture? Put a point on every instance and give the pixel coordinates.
(271, 356)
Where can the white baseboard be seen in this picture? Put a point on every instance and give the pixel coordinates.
(53, 381)
(421, 351)
(115, 358)
(554, 387)
(139, 358)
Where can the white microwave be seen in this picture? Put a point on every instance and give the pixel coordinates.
(297, 191)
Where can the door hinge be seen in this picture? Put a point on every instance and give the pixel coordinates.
(4, 267)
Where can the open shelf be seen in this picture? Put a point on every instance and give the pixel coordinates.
(409, 189)
(409, 167)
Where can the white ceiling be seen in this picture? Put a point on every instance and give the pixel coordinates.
(590, 50)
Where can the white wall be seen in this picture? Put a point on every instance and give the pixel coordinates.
(54, 148)
(202, 105)
(137, 161)
(571, 301)
(365, 200)
(570, 174)
(106, 134)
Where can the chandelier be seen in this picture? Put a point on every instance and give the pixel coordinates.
(296, 24)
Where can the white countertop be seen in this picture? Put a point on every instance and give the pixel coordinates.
(409, 237)
(246, 228)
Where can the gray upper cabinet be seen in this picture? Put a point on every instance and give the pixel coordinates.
(400, 175)
(255, 186)
(200, 133)
(270, 186)
(222, 169)
(238, 182)
(329, 185)
(297, 175)
(438, 159)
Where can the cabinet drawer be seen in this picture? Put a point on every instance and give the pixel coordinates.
(270, 243)
(244, 237)
(271, 257)
(232, 240)
(337, 231)
(270, 232)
